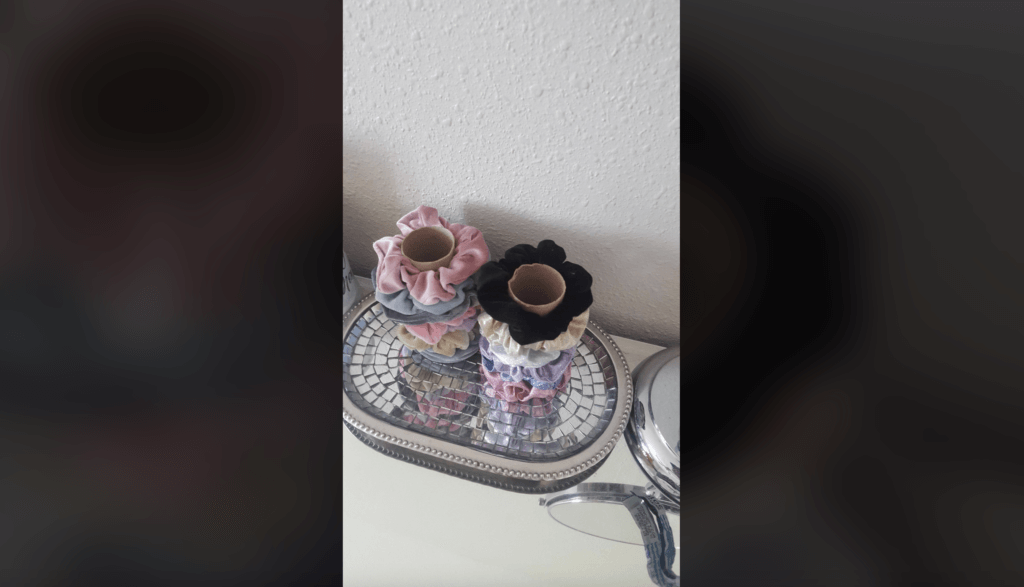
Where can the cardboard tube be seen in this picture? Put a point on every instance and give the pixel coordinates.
(429, 248)
(537, 288)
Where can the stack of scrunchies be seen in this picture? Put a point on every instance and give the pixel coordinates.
(527, 347)
(433, 307)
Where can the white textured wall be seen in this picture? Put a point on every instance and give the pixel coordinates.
(529, 120)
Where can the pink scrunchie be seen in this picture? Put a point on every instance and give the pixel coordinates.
(520, 391)
(395, 272)
(433, 331)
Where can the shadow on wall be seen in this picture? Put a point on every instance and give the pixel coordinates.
(373, 213)
(609, 258)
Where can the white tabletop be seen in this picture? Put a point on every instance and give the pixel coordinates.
(409, 526)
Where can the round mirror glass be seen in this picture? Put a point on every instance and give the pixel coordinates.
(611, 521)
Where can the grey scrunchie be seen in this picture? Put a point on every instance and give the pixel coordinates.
(405, 309)
(460, 355)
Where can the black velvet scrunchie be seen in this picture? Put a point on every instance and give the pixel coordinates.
(527, 327)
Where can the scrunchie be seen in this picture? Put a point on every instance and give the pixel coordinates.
(500, 334)
(544, 377)
(424, 317)
(519, 392)
(458, 357)
(409, 307)
(449, 343)
(433, 331)
(536, 383)
(525, 358)
(395, 272)
(526, 327)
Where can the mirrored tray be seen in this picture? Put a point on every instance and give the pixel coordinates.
(452, 414)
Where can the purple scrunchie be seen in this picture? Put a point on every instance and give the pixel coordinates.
(546, 377)
(519, 392)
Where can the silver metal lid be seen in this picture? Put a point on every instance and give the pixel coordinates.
(653, 433)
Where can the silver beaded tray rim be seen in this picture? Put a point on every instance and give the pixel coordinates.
(494, 463)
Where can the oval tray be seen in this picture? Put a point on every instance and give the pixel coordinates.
(441, 417)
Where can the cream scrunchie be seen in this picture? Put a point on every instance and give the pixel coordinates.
(497, 334)
(450, 342)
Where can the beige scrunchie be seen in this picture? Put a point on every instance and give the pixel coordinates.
(450, 342)
(426, 381)
(496, 332)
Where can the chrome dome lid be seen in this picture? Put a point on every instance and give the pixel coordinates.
(653, 433)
